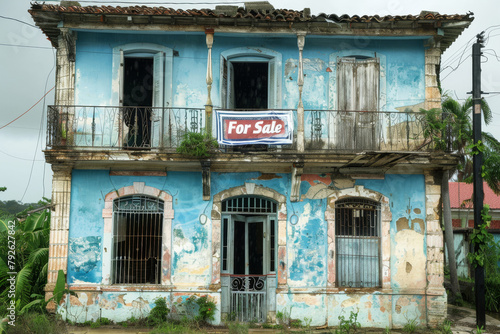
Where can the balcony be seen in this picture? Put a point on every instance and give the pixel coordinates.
(162, 130)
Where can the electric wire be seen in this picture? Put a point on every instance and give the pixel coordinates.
(40, 134)
(24, 113)
(454, 56)
(17, 20)
(19, 158)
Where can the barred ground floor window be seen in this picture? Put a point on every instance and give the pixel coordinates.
(357, 240)
(137, 240)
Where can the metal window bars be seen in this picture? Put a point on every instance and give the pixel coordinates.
(249, 205)
(357, 229)
(137, 236)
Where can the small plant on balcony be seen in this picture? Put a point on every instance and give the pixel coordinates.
(199, 145)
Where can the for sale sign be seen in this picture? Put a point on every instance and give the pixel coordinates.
(260, 127)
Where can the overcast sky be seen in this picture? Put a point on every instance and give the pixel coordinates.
(27, 73)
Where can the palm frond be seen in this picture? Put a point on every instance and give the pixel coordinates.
(42, 276)
(3, 225)
(491, 141)
(35, 221)
(23, 286)
(41, 255)
(487, 114)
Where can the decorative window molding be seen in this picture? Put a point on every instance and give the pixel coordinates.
(385, 224)
(138, 188)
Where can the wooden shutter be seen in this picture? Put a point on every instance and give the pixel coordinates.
(358, 98)
(158, 97)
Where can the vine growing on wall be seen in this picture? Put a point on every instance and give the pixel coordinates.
(482, 238)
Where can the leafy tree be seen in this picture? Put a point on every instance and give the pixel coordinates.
(24, 249)
(454, 132)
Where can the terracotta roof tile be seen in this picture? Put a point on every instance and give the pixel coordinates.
(270, 15)
(461, 193)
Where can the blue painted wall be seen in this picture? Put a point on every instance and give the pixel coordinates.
(404, 73)
(306, 241)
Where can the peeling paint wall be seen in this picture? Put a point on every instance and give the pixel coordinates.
(305, 261)
(303, 252)
(404, 67)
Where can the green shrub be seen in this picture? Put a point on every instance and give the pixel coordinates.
(37, 323)
(206, 309)
(235, 327)
(159, 313)
(347, 326)
(198, 145)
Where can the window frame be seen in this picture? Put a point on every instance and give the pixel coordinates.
(137, 188)
(385, 226)
(363, 207)
(350, 53)
(118, 212)
(251, 54)
(162, 80)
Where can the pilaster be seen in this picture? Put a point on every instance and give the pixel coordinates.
(436, 294)
(59, 227)
(65, 71)
(432, 94)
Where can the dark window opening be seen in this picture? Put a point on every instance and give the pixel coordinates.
(272, 248)
(137, 236)
(138, 95)
(250, 85)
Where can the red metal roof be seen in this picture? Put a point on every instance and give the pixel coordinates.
(461, 193)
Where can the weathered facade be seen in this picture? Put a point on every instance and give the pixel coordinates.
(342, 217)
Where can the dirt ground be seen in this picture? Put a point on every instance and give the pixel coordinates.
(463, 322)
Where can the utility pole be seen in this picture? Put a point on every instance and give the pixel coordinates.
(478, 180)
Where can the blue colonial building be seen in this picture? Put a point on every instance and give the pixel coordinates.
(321, 197)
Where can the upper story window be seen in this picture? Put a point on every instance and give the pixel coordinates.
(142, 75)
(358, 80)
(250, 79)
(357, 239)
(359, 95)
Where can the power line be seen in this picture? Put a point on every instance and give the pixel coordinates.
(40, 133)
(494, 54)
(13, 156)
(14, 19)
(454, 69)
(26, 46)
(18, 117)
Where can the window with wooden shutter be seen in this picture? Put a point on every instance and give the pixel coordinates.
(358, 81)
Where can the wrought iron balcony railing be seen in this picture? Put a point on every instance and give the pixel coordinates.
(163, 128)
(120, 127)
